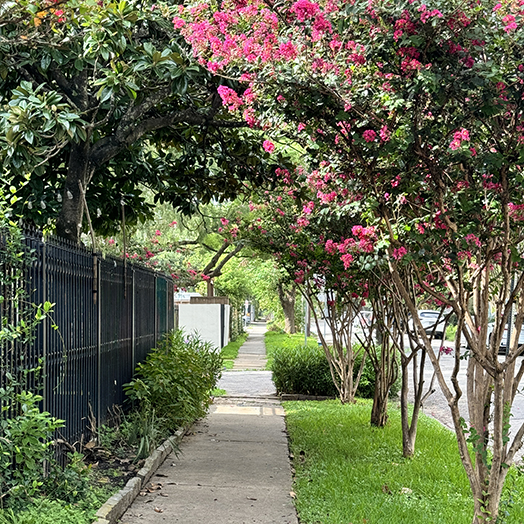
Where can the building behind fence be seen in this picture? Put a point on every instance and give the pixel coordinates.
(108, 316)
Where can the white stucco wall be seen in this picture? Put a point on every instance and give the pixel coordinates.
(206, 320)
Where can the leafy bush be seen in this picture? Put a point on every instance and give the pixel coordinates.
(46, 511)
(26, 442)
(302, 370)
(305, 371)
(176, 379)
(451, 332)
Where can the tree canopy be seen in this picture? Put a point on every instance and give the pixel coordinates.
(413, 116)
(103, 98)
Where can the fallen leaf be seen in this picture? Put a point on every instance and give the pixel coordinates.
(292, 494)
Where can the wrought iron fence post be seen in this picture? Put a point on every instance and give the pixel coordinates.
(44, 326)
(98, 309)
(156, 311)
(133, 323)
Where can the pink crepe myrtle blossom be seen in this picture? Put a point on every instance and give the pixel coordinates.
(385, 134)
(473, 239)
(224, 221)
(346, 259)
(304, 9)
(458, 137)
(229, 98)
(302, 222)
(369, 135)
(399, 252)
(516, 211)
(308, 208)
(446, 350)
(268, 146)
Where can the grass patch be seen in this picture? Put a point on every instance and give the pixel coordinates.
(347, 471)
(230, 352)
(275, 340)
(218, 392)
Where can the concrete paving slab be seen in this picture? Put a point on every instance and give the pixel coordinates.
(248, 383)
(232, 468)
(252, 354)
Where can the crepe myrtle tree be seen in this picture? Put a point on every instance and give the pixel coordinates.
(287, 227)
(418, 110)
(99, 99)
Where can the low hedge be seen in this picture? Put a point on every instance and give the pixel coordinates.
(304, 370)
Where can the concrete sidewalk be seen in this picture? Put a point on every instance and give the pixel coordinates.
(252, 354)
(233, 466)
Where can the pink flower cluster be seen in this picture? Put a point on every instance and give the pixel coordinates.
(268, 146)
(304, 9)
(369, 135)
(229, 98)
(426, 14)
(458, 138)
(516, 211)
(399, 252)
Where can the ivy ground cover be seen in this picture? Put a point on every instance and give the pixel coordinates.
(347, 472)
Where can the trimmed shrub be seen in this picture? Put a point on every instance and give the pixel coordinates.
(176, 379)
(302, 370)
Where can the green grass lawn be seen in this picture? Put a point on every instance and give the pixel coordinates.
(274, 340)
(348, 472)
(230, 352)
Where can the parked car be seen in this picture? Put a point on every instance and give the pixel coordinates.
(432, 322)
(504, 340)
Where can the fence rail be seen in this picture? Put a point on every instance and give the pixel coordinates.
(108, 315)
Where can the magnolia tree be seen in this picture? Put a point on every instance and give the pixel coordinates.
(416, 113)
(99, 99)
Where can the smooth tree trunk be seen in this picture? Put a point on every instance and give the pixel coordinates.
(491, 388)
(287, 297)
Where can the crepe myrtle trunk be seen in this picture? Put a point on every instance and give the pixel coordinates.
(379, 411)
(69, 221)
(287, 299)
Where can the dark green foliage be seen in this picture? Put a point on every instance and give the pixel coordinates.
(302, 370)
(176, 379)
(305, 371)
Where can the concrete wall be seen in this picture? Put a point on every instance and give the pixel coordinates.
(210, 321)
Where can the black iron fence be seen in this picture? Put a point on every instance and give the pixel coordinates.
(108, 315)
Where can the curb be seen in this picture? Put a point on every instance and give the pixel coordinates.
(288, 396)
(118, 503)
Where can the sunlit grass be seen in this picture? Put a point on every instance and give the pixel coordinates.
(348, 472)
(230, 352)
